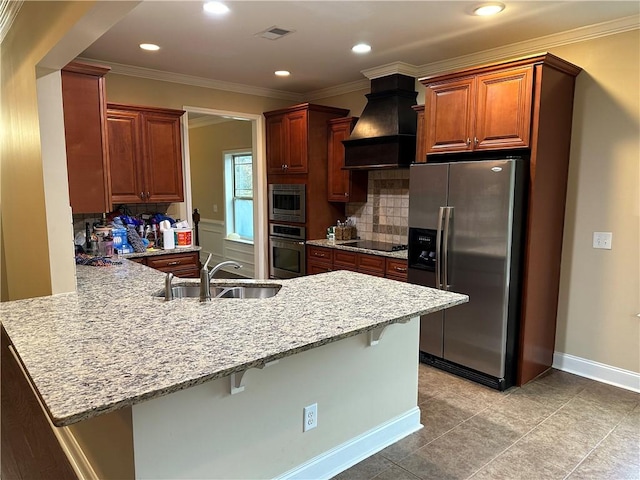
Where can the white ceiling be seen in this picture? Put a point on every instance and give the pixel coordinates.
(318, 54)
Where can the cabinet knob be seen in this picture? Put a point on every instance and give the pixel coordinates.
(475, 140)
(346, 194)
(148, 195)
(142, 195)
(468, 141)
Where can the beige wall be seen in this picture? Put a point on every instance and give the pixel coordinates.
(599, 292)
(155, 93)
(24, 227)
(206, 147)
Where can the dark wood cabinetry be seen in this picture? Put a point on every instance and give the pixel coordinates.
(184, 265)
(85, 110)
(325, 259)
(421, 154)
(296, 147)
(524, 104)
(486, 111)
(343, 185)
(145, 150)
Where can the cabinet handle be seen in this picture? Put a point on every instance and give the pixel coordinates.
(316, 254)
(468, 141)
(475, 140)
(177, 262)
(401, 269)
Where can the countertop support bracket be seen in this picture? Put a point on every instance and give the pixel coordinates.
(236, 380)
(376, 333)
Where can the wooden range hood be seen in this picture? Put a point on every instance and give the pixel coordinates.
(385, 134)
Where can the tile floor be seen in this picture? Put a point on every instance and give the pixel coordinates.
(560, 426)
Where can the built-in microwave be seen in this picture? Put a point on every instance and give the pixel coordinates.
(287, 202)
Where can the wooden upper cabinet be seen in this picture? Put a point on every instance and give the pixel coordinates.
(421, 154)
(503, 109)
(489, 111)
(146, 154)
(343, 185)
(84, 105)
(287, 142)
(127, 175)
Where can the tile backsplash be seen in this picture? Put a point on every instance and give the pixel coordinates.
(384, 217)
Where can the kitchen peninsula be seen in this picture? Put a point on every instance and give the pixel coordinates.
(217, 389)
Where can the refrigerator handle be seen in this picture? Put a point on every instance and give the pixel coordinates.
(438, 249)
(445, 253)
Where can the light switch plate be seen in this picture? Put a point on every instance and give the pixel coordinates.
(602, 240)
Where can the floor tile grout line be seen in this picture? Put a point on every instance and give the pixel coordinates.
(595, 446)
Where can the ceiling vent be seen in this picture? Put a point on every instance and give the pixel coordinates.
(274, 33)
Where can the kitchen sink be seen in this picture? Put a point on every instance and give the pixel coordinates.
(192, 290)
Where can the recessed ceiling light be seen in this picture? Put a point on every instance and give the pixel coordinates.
(216, 8)
(149, 46)
(361, 48)
(488, 9)
(282, 73)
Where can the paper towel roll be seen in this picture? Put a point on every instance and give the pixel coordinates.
(168, 239)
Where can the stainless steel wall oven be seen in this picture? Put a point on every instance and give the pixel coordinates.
(286, 251)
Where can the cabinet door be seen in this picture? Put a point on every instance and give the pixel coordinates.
(125, 154)
(420, 134)
(320, 254)
(162, 149)
(296, 146)
(503, 109)
(396, 269)
(345, 260)
(85, 135)
(371, 264)
(343, 185)
(276, 141)
(449, 116)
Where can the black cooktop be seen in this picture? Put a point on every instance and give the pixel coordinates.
(373, 245)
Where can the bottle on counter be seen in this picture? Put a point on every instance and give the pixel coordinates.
(339, 231)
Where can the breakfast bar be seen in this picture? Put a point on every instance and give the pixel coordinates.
(190, 389)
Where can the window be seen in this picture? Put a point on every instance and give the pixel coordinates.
(239, 195)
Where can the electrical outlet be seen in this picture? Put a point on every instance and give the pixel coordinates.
(602, 240)
(215, 208)
(310, 419)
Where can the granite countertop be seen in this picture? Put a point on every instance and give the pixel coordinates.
(112, 344)
(340, 245)
(159, 251)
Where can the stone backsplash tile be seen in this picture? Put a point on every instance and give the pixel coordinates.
(384, 217)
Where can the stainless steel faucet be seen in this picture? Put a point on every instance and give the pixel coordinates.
(206, 276)
(168, 290)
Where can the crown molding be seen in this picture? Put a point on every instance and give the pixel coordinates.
(355, 86)
(519, 49)
(390, 69)
(133, 71)
(8, 12)
(529, 47)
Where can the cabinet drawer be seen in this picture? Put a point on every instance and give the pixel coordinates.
(345, 260)
(315, 266)
(371, 264)
(396, 269)
(168, 263)
(138, 260)
(183, 272)
(320, 254)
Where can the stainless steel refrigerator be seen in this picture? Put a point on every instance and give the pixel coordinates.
(465, 235)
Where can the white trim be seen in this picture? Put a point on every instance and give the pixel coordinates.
(597, 371)
(340, 458)
(141, 72)
(345, 88)
(391, 68)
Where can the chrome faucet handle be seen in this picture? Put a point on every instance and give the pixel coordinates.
(168, 291)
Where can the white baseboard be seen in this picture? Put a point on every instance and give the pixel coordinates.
(597, 371)
(338, 459)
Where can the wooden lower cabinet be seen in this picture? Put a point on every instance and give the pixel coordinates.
(184, 265)
(322, 260)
